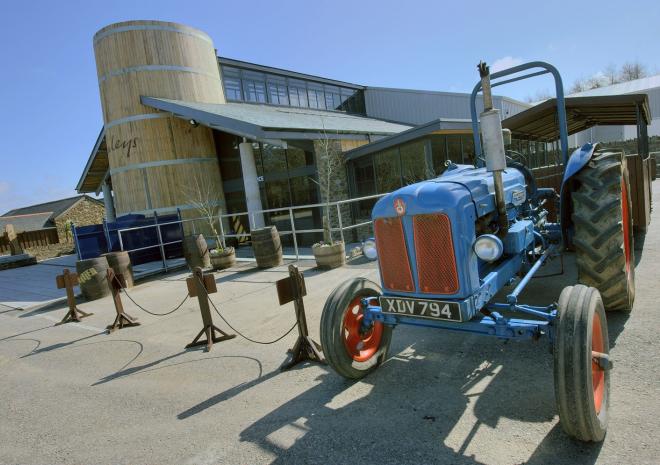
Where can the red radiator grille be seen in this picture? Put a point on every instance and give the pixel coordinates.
(434, 248)
(393, 255)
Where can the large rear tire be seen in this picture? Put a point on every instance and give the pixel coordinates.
(351, 350)
(603, 239)
(582, 379)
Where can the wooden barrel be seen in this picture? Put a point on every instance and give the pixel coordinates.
(267, 247)
(92, 276)
(196, 252)
(120, 262)
(332, 256)
(152, 154)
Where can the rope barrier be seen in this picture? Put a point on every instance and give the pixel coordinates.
(243, 335)
(144, 309)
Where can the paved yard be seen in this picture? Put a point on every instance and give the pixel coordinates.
(72, 394)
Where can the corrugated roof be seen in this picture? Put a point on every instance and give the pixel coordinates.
(272, 122)
(31, 222)
(540, 121)
(629, 87)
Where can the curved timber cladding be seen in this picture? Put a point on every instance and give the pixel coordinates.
(153, 156)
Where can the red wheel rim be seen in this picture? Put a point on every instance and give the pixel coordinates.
(361, 346)
(625, 221)
(597, 373)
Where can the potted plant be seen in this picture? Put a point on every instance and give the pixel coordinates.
(328, 253)
(204, 198)
(222, 257)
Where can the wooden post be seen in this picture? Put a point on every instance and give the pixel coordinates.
(66, 281)
(122, 320)
(305, 347)
(14, 246)
(200, 286)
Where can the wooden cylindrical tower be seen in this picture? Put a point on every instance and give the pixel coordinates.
(157, 161)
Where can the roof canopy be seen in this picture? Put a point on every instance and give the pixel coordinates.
(540, 121)
(96, 168)
(267, 122)
(264, 123)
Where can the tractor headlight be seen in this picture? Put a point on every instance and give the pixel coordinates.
(369, 249)
(488, 247)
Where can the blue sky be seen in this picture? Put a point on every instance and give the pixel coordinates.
(49, 93)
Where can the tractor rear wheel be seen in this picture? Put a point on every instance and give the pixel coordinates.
(603, 239)
(581, 364)
(351, 349)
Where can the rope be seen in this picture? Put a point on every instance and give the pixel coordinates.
(243, 335)
(121, 289)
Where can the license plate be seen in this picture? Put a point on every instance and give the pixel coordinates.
(431, 309)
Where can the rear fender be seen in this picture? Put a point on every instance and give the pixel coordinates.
(576, 162)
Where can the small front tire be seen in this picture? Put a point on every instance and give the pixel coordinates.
(351, 350)
(582, 384)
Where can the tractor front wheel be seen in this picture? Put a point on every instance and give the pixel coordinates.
(602, 215)
(581, 363)
(352, 349)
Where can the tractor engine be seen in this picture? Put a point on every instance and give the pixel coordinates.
(438, 238)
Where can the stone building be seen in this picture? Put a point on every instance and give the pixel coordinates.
(81, 210)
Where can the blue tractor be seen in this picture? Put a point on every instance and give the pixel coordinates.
(447, 246)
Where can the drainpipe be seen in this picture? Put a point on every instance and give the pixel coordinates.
(108, 202)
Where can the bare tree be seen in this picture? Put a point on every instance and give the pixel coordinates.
(330, 162)
(611, 74)
(594, 82)
(540, 95)
(200, 193)
(579, 85)
(632, 70)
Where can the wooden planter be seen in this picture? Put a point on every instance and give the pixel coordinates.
(330, 256)
(224, 259)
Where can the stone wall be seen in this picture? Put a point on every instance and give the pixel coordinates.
(83, 213)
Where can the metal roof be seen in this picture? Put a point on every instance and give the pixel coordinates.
(31, 222)
(540, 121)
(628, 87)
(269, 122)
(443, 124)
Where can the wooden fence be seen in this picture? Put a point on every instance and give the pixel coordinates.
(28, 239)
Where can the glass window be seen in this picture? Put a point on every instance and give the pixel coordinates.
(277, 91)
(298, 93)
(387, 169)
(439, 153)
(231, 77)
(273, 159)
(316, 96)
(303, 190)
(299, 158)
(468, 149)
(413, 162)
(254, 86)
(332, 98)
(347, 99)
(228, 155)
(454, 152)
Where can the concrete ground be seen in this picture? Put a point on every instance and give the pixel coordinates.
(75, 395)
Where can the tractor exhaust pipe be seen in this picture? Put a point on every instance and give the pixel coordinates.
(493, 144)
